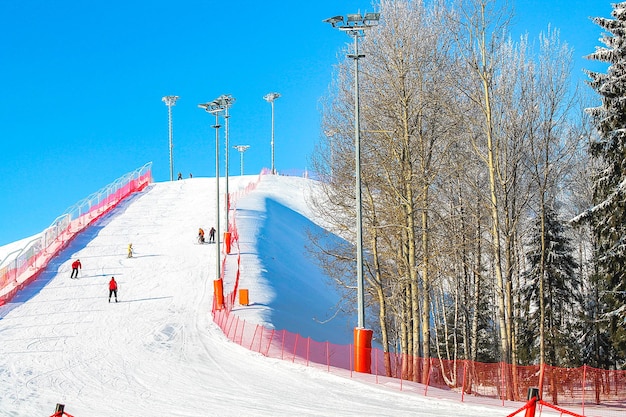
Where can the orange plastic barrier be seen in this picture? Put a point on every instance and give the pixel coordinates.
(243, 297)
(218, 290)
(227, 242)
(363, 350)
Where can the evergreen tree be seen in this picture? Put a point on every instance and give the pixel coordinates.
(561, 295)
(608, 216)
(594, 338)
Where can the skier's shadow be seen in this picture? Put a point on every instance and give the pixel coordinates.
(99, 275)
(144, 299)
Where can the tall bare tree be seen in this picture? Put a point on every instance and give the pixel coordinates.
(481, 29)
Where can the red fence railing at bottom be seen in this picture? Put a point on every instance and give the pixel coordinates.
(529, 409)
(574, 386)
(61, 414)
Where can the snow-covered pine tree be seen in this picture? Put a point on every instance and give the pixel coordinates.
(608, 216)
(560, 286)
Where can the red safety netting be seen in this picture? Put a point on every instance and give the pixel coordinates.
(465, 379)
(61, 414)
(24, 265)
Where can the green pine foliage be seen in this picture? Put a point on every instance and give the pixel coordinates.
(562, 296)
(595, 339)
(608, 217)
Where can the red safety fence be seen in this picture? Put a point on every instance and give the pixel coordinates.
(61, 414)
(22, 266)
(530, 406)
(60, 411)
(499, 381)
(574, 386)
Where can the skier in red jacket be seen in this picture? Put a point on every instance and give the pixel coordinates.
(75, 265)
(112, 289)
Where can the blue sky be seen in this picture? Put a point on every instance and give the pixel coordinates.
(82, 84)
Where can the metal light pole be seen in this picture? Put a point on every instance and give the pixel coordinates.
(169, 102)
(225, 101)
(355, 26)
(270, 99)
(241, 149)
(215, 108)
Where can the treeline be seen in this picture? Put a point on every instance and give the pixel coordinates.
(474, 159)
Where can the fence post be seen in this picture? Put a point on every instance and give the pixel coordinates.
(401, 370)
(464, 377)
(295, 348)
(502, 382)
(269, 343)
(327, 357)
(282, 350)
(533, 395)
(350, 358)
(430, 369)
(583, 385)
(236, 320)
(308, 350)
(243, 328)
(375, 351)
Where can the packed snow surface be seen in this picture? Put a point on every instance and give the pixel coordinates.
(157, 351)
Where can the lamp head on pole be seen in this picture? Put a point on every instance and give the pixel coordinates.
(270, 97)
(212, 107)
(371, 19)
(334, 20)
(170, 100)
(225, 100)
(354, 22)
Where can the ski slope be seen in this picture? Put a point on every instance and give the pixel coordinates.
(157, 352)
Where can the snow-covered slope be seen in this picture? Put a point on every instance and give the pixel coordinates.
(157, 352)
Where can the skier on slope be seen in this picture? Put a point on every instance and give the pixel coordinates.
(112, 289)
(130, 250)
(212, 235)
(201, 235)
(75, 266)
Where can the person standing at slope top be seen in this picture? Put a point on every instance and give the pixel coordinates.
(112, 289)
(75, 266)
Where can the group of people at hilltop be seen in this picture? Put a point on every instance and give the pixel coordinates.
(180, 175)
(76, 265)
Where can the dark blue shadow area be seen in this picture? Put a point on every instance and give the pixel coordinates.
(80, 241)
(141, 299)
(306, 300)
